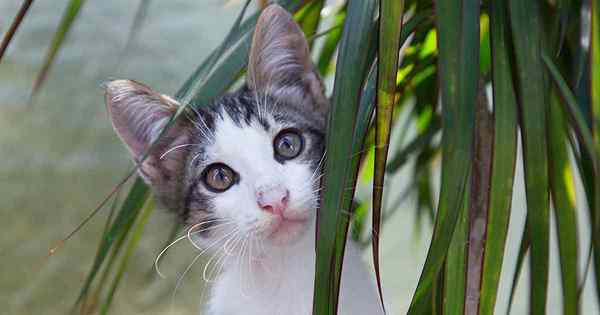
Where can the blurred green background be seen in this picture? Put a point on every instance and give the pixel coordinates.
(60, 157)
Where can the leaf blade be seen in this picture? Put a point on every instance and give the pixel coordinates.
(563, 197)
(332, 223)
(532, 100)
(390, 27)
(64, 27)
(504, 156)
(458, 72)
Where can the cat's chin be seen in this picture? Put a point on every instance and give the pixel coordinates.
(287, 231)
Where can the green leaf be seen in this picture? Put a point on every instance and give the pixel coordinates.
(129, 210)
(578, 120)
(87, 301)
(559, 29)
(309, 17)
(365, 111)
(562, 187)
(90, 303)
(586, 140)
(332, 223)
(131, 246)
(504, 156)
(390, 26)
(455, 274)
(485, 52)
(66, 23)
(532, 90)
(458, 71)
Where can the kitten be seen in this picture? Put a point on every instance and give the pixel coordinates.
(243, 173)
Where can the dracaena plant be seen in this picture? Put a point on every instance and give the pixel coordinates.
(540, 60)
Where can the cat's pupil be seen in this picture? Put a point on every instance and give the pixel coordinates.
(288, 144)
(219, 177)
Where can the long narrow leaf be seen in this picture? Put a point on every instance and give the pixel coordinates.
(563, 196)
(525, 15)
(578, 120)
(332, 223)
(458, 42)
(131, 246)
(586, 140)
(66, 23)
(309, 17)
(504, 152)
(390, 26)
(127, 214)
(455, 275)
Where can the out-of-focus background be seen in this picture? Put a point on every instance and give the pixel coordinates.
(59, 158)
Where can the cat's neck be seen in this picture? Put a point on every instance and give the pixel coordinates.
(267, 263)
(277, 281)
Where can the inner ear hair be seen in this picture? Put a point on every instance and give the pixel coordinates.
(280, 63)
(139, 115)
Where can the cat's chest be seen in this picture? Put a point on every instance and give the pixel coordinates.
(286, 286)
(267, 290)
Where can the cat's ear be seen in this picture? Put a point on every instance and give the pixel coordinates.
(138, 115)
(280, 62)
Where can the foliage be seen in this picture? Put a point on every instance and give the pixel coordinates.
(541, 59)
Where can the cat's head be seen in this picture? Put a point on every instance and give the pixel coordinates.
(249, 161)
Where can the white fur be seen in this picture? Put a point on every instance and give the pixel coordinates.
(261, 275)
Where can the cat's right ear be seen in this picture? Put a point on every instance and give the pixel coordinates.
(280, 62)
(138, 115)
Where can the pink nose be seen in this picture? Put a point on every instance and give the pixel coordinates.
(274, 201)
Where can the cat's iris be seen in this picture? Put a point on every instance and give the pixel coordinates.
(288, 144)
(219, 177)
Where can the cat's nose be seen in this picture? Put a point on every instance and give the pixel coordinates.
(274, 200)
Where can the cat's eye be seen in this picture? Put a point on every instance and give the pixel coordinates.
(288, 144)
(218, 177)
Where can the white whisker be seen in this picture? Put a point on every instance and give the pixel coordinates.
(179, 280)
(160, 274)
(177, 147)
(187, 235)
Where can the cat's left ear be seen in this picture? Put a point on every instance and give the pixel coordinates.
(280, 62)
(139, 115)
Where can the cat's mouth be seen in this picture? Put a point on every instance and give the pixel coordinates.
(286, 230)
